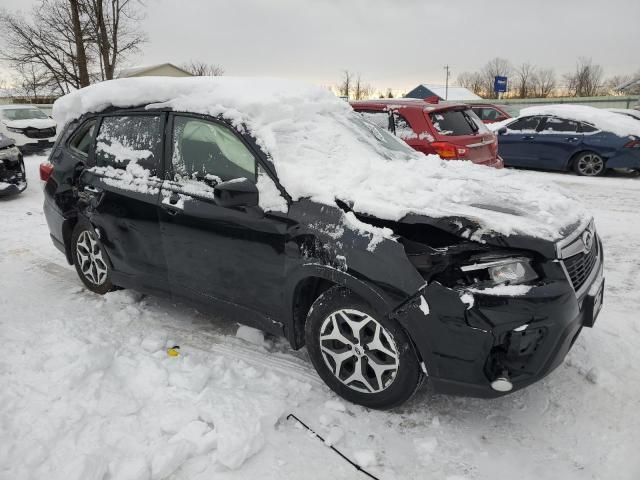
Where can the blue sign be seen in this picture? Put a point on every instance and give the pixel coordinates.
(500, 84)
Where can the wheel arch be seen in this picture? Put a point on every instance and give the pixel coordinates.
(308, 283)
(572, 159)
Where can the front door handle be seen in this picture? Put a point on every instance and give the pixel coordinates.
(528, 137)
(92, 189)
(573, 139)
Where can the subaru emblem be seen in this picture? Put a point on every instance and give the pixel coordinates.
(587, 239)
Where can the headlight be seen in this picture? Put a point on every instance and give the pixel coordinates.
(15, 130)
(11, 153)
(505, 271)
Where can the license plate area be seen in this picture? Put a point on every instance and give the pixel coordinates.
(593, 305)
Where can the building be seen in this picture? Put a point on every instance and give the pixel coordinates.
(158, 70)
(453, 93)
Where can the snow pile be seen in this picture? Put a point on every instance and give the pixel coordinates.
(323, 150)
(605, 120)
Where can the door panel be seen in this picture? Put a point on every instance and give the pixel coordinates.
(123, 190)
(556, 143)
(233, 254)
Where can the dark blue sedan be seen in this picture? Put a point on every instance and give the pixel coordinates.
(549, 142)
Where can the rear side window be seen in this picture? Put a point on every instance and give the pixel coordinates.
(81, 140)
(403, 128)
(526, 124)
(487, 114)
(130, 139)
(587, 128)
(453, 123)
(560, 125)
(379, 119)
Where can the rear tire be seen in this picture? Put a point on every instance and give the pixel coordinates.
(90, 259)
(361, 355)
(589, 164)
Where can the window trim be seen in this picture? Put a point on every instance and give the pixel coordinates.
(89, 155)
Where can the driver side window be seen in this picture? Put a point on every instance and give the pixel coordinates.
(208, 151)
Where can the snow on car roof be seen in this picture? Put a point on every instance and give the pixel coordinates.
(600, 118)
(323, 150)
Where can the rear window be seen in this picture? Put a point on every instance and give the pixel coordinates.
(454, 123)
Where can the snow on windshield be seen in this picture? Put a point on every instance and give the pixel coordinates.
(22, 113)
(600, 118)
(325, 151)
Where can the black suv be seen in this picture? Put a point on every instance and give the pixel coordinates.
(166, 201)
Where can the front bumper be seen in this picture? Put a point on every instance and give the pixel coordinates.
(465, 346)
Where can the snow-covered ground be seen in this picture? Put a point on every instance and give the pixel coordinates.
(87, 390)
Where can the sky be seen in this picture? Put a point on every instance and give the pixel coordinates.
(391, 43)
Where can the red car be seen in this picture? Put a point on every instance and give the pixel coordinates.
(450, 130)
(490, 113)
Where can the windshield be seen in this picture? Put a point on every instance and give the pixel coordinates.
(23, 113)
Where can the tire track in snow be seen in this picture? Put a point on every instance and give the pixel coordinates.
(198, 339)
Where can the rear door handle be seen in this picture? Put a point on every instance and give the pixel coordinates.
(92, 189)
(528, 137)
(171, 209)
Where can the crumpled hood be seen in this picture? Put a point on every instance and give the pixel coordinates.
(39, 123)
(470, 229)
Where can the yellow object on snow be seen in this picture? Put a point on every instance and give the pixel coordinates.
(173, 351)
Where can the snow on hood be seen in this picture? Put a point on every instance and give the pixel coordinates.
(602, 119)
(31, 122)
(323, 150)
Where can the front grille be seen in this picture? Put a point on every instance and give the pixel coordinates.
(579, 266)
(40, 132)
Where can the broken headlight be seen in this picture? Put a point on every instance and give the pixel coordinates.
(11, 154)
(503, 271)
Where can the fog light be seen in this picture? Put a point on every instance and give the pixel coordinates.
(502, 384)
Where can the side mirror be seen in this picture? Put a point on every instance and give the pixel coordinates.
(238, 192)
(502, 131)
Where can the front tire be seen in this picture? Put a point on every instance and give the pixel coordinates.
(90, 259)
(362, 356)
(589, 164)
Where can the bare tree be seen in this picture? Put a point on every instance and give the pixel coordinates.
(203, 69)
(543, 82)
(69, 39)
(113, 29)
(586, 81)
(32, 81)
(472, 81)
(361, 90)
(497, 67)
(524, 78)
(346, 85)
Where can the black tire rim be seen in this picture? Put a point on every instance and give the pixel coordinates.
(91, 261)
(359, 351)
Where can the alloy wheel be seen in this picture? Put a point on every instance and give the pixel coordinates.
(359, 351)
(590, 165)
(90, 258)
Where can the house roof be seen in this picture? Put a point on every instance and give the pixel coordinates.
(454, 93)
(138, 69)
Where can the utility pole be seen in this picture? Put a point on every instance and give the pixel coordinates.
(446, 88)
